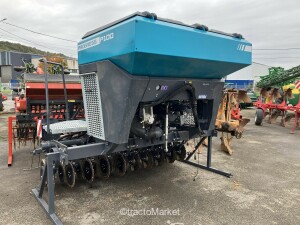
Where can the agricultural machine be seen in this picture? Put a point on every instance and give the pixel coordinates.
(274, 100)
(19, 86)
(229, 120)
(2, 99)
(149, 85)
(32, 104)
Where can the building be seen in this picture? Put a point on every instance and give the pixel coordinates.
(72, 64)
(247, 77)
(10, 59)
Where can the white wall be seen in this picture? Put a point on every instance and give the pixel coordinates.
(260, 70)
(243, 74)
(6, 74)
(72, 64)
(250, 75)
(251, 72)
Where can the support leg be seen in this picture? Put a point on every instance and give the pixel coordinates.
(43, 182)
(38, 192)
(208, 161)
(50, 184)
(196, 148)
(295, 123)
(10, 137)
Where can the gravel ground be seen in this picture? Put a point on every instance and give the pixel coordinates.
(265, 188)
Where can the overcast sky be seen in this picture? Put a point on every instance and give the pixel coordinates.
(265, 23)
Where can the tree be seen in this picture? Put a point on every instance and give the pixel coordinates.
(54, 69)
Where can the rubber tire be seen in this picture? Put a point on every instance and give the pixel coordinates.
(104, 172)
(171, 155)
(181, 155)
(70, 175)
(259, 116)
(88, 173)
(120, 164)
(61, 173)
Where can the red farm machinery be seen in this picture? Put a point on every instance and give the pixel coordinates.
(31, 106)
(2, 99)
(277, 90)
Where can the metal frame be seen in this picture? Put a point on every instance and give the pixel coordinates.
(62, 153)
(98, 113)
(44, 60)
(53, 158)
(283, 107)
(47, 94)
(38, 192)
(208, 166)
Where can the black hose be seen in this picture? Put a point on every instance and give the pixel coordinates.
(191, 90)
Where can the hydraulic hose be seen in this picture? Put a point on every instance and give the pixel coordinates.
(191, 90)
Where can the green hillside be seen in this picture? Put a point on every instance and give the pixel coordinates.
(10, 46)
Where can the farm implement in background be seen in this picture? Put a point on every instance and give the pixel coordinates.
(31, 105)
(229, 122)
(275, 95)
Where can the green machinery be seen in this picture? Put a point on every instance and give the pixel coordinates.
(278, 77)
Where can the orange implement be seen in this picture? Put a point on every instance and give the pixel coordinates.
(10, 137)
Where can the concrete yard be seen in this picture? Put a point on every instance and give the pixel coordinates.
(265, 188)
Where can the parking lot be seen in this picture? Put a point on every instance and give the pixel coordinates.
(264, 188)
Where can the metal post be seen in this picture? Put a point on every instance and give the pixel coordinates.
(43, 182)
(65, 89)
(50, 180)
(167, 127)
(47, 95)
(10, 137)
(208, 151)
(196, 148)
(65, 93)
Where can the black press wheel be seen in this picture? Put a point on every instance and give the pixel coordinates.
(138, 164)
(70, 175)
(171, 155)
(61, 173)
(149, 160)
(259, 116)
(120, 164)
(160, 157)
(181, 153)
(104, 169)
(88, 170)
